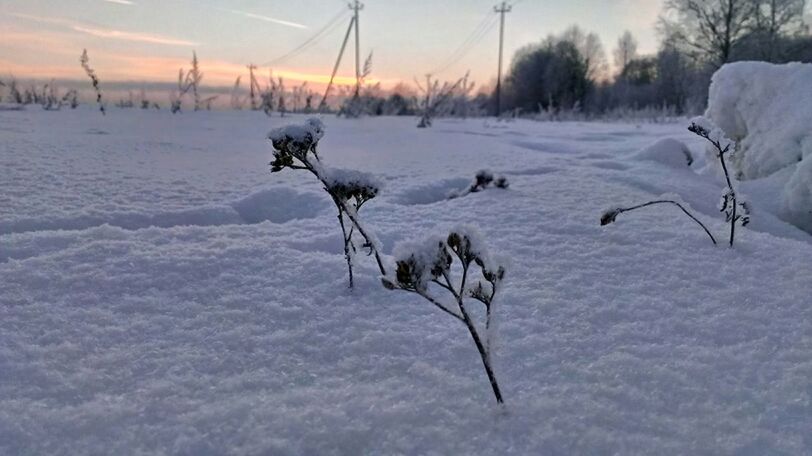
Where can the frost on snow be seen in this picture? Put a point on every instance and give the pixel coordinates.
(767, 109)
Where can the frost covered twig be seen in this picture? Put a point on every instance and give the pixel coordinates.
(610, 215)
(730, 203)
(295, 148)
(85, 61)
(429, 264)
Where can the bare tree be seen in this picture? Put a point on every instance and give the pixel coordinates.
(713, 27)
(774, 19)
(626, 51)
(591, 49)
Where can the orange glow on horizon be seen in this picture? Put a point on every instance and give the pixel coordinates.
(122, 68)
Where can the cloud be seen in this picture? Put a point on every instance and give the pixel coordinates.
(120, 2)
(107, 33)
(269, 19)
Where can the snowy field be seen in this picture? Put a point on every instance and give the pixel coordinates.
(162, 293)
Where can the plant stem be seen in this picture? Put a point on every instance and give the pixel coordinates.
(347, 241)
(483, 353)
(651, 203)
(732, 194)
(343, 209)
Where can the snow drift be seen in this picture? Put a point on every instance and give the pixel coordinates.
(767, 109)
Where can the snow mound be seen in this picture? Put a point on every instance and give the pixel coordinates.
(767, 109)
(276, 205)
(667, 151)
(279, 205)
(433, 192)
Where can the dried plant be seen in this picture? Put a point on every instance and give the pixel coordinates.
(425, 267)
(94, 80)
(295, 147)
(483, 180)
(736, 211)
(436, 97)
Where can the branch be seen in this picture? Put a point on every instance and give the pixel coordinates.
(610, 216)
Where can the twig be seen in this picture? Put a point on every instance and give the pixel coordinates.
(610, 216)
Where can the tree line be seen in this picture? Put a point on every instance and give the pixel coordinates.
(570, 71)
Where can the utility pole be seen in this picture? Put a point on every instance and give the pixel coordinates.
(323, 103)
(357, 6)
(501, 9)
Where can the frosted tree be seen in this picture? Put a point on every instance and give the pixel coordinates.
(427, 267)
(591, 51)
(626, 51)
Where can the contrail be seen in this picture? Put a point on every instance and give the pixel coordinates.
(269, 19)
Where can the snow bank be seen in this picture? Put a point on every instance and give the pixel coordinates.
(767, 109)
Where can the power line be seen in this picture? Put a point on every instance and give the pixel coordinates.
(315, 38)
(481, 30)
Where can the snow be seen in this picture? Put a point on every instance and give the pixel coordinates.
(767, 109)
(163, 293)
(351, 179)
(668, 151)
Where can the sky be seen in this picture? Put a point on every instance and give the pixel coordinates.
(149, 40)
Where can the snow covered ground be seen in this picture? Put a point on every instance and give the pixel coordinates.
(162, 293)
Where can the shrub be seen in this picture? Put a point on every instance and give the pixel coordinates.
(427, 266)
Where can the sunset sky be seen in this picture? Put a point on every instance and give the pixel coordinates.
(148, 40)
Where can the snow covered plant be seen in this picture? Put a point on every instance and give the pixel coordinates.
(295, 148)
(482, 181)
(85, 61)
(423, 267)
(736, 210)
